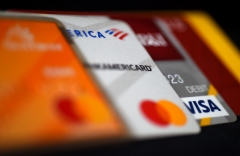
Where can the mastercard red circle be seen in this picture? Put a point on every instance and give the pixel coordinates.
(65, 107)
(163, 113)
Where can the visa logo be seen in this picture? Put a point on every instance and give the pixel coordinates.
(201, 106)
(204, 106)
(85, 33)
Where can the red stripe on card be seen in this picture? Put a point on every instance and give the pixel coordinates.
(123, 36)
(117, 33)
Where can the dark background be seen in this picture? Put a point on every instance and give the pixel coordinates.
(220, 139)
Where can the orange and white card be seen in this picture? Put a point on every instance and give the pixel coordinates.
(46, 94)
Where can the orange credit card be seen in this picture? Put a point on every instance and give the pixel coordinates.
(46, 94)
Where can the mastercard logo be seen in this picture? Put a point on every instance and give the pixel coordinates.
(82, 110)
(163, 113)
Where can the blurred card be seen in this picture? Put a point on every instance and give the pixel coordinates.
(46, 94)
(212, 51)
(197, 93)
(144, 99)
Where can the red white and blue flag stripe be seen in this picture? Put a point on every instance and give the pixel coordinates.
(117, 33)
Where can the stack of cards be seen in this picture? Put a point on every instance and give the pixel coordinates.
(157, 75)
(198, 94)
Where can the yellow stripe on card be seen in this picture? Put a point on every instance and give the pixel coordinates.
(217, 40)
(212, 90)
(205, 122)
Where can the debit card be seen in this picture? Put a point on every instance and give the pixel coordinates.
(211, 49)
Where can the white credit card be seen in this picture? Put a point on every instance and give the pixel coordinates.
(140, 93)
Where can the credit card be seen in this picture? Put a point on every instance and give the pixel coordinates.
(144, 99)
(197, 92)
(46, 94)
(211, 49)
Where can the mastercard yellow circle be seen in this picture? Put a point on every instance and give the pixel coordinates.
(176, 115)
(93, 109)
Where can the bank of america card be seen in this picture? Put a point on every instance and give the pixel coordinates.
(142, 96)
(196, 91)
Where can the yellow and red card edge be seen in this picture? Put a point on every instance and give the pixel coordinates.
(217, 40)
